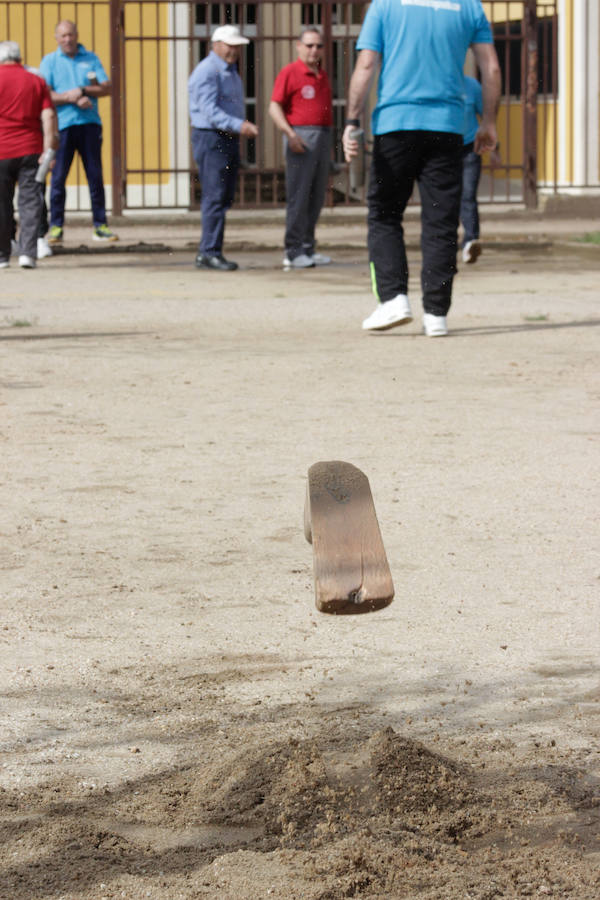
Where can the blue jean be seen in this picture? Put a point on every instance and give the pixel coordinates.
(469, 212)
(217, 155)
(87, 141)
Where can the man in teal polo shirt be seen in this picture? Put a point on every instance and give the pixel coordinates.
(417, 126)
(76, 79)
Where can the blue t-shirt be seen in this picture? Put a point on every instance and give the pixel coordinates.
(423, 44)
(473, 100)
(62, 72)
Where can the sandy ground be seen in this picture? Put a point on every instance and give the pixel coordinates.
(177, 719)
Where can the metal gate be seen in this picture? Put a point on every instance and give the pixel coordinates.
(152, 46)
(159, 44)
(526, 40)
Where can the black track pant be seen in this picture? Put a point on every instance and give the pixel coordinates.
(434, 160)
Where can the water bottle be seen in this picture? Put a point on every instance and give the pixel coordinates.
(357, 165)
(47, 157)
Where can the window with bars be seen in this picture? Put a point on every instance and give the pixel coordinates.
(340, 13)
(225, 14)
(312, 14)
(508, 37)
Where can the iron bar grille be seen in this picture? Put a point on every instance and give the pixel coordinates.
(150, 48)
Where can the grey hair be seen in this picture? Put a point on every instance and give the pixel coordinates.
(310, 29)
(9, 52)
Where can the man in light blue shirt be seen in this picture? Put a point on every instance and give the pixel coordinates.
(217, 114)
(417, 126)
(76, 79)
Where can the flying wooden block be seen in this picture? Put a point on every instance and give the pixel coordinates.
(351, 570)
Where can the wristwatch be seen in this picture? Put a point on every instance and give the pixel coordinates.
(355, 122)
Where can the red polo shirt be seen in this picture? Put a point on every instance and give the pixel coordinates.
(304, 95)
(23, 96)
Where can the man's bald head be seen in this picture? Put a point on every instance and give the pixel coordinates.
(67, 37)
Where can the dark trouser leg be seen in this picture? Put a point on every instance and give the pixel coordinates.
(440, 185)
(217, 156)
(8, 180)
(469, 212)
(43, 229)
(393, 170)
(62, 164)
(298, 178)
(318, 188)
(89, 146)
(30, 205)
(306, 177)
(230, 176)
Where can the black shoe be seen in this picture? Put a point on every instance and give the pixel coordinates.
(215, 262)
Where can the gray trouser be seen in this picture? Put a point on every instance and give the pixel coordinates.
(21, 170)
(306, 177)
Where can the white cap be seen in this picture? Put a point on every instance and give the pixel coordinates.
(229, 34)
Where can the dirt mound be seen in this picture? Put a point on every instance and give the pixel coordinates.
(306, 793)
(342, 814)
(299, 794)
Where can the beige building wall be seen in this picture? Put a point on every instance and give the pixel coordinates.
(32, 25)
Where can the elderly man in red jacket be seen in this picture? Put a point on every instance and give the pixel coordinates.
(27, 128)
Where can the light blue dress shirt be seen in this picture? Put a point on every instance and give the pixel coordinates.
(423, 45)
(216, 95)
(62, 72)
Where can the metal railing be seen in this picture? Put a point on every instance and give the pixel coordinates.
(151, 47)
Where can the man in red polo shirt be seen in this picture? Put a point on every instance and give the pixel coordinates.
(27, 127)
(301, 108)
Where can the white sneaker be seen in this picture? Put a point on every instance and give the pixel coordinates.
(471, 251)
(388, 315)
(434, 326)
(43, 248)
(298, 262)
(4, 264)
(320, 260)
(27, 262)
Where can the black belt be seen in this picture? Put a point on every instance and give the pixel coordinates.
(229, 134)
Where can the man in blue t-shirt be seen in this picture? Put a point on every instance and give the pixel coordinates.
(76, 79)
(417, 126)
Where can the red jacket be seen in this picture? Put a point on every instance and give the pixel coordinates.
(23, 96)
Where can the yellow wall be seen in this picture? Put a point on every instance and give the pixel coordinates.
(147, 90)
(32, 26)
(510, 117)
(510, 135)
(512, 11)
(567, 81)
